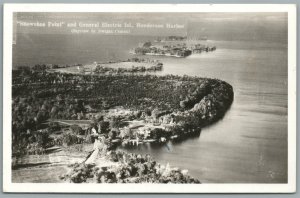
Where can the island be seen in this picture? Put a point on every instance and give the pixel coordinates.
(175, 48)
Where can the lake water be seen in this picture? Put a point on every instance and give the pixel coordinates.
(249, 145)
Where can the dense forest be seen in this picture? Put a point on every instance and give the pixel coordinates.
(39, 95)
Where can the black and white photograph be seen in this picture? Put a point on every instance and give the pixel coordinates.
(149, 98)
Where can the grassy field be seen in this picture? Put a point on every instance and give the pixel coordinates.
(45, 174)
(47, 168)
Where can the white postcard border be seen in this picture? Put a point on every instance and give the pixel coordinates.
(8, 186)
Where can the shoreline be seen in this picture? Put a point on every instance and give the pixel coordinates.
(199, 108)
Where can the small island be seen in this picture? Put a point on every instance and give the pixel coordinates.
(172, 46)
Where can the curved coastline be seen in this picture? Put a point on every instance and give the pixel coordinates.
(206, 101)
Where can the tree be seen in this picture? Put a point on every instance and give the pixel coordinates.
(54, 112)
(147, 44)
(155, 113)
(183, 104)
(76, 129)
(104, 127)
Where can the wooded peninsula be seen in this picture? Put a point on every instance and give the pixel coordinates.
(61, 111)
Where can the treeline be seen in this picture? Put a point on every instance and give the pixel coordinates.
(100, 69)
(132, 91)
(131, 168)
